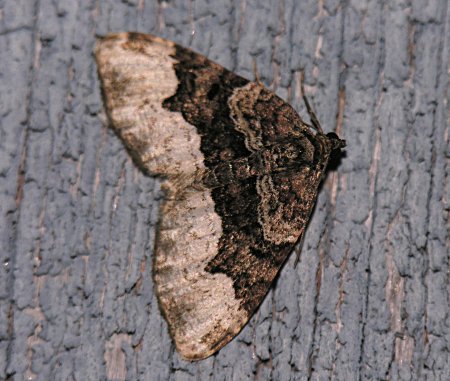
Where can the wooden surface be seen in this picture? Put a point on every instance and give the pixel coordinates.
(369, 299)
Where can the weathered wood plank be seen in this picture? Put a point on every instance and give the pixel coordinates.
(370, 296)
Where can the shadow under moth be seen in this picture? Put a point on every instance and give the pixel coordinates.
(240, 171)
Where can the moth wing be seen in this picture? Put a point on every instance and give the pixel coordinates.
(219, 249)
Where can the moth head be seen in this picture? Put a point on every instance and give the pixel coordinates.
(335, 142)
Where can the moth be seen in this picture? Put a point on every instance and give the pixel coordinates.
(240, 170)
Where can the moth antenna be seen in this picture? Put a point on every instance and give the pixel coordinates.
(312, 115)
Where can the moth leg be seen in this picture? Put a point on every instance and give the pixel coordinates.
(299, 249)
(312, 115)
(256, 73)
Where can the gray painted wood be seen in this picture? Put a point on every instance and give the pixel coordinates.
(369, 299)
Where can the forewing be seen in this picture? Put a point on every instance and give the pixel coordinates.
(137, 75)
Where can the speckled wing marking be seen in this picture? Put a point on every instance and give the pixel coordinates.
(241, 173)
